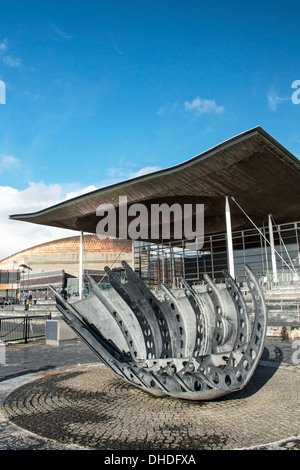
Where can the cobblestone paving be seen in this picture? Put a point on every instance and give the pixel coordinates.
(91, 407)
(35, 356)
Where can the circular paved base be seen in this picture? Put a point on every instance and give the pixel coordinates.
(92, 407)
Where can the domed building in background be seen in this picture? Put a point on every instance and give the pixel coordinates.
(30, 271)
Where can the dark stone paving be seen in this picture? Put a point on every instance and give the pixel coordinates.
(86, 405)
(37, 356)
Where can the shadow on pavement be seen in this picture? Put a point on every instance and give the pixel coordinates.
(27, 372)
(265, 370)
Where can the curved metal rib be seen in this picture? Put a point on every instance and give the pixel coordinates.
(244, 357)
(191, 345)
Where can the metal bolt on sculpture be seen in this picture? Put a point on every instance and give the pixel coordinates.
(192, 345)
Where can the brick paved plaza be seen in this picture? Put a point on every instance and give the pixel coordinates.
(89, 406)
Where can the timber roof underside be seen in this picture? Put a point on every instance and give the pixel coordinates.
(262, 176)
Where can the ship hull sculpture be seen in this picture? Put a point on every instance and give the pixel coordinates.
(189, 345)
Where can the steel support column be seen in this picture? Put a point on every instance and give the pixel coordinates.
(230, 258)
(80, 277)
(273, 255)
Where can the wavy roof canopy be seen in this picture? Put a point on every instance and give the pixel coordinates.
(262, 176)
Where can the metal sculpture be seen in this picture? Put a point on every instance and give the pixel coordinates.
(190, 345)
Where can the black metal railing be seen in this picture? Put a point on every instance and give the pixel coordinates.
(22, 328)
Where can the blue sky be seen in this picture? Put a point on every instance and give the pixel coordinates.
(99, 91)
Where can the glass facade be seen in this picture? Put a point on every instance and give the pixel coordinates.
(169, 262)
(9, 277)
(9, 282)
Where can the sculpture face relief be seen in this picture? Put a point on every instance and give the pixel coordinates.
(189, 344)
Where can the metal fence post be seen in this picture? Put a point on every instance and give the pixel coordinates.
(26, 330)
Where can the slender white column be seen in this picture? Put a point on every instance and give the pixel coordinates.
(230, 257)
(273, 255)
(80, 277)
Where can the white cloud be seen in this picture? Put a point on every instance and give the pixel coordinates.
(59, 32)
(118, 50)
(3, 45)
(144, 171)
(30, 95)
(7, 161)
(117, 174)
(8, 59)
(274, 100)
(17, 235)
(203, 106)
(11, 62)
(79, 192)
(161, 110)
(168, 108)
